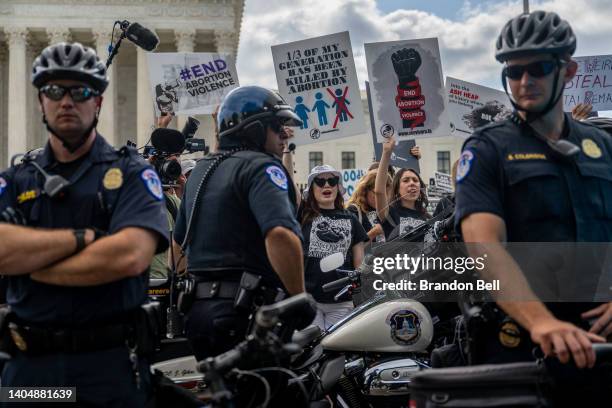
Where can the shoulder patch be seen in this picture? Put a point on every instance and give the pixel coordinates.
(3, 185)
(277, 177)
(152, 183)
(465, 164)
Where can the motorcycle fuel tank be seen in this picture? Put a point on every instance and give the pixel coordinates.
(396, 326)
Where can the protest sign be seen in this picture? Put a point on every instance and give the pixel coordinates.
(592, 84)
(401, 156)
(317, 77)
(443, 181)
(190, 83)
(350, 177)
(471, 106)
(407, 89)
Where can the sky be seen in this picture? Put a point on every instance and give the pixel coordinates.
(466, 30)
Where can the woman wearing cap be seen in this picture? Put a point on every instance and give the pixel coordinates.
(327, 229)
(363, 204)
(408, 206)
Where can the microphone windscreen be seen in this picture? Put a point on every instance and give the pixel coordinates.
(168, 140)
(291, 147)
(142, 37)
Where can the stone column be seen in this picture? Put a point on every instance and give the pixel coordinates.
(107, 121)
(185, 42)
(225, 42)
(144, 101)
(17, 90)
(36, 131)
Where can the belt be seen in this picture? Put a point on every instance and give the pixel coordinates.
(216, 289)
(36, 340)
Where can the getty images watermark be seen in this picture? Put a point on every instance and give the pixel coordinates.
(404, 264)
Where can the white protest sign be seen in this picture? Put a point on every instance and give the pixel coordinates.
(317, 77)
(444, 182)
(407, 89)
(350, 177)
(190, 83)
(472, 105)
(592, 84)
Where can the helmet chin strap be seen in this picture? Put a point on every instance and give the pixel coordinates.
(530, 116)
(71, 147)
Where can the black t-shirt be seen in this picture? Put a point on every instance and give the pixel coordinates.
(331, 232)
(248, 195)
(405, 219)
(368, 220)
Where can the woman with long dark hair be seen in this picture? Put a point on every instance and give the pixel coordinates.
(407, 207)
(328, 228)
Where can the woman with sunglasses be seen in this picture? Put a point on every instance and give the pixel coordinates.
(363, 204)
(327, 229)
(407, 208)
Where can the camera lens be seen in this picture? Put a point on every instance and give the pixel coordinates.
(170, 170)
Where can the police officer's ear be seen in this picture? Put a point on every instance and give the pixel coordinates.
(99, 100)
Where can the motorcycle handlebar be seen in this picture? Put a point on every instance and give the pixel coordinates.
(337, 284)
(603, 352)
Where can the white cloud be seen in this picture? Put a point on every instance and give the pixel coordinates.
(466, 46)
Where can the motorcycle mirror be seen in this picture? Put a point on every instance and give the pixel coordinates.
(332, 262)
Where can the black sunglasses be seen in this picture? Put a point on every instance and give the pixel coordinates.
(332, 181)
(536, 69)
(78, 93)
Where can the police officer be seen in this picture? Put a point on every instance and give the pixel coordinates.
(91, 218)
(538, 176)
(237, 221)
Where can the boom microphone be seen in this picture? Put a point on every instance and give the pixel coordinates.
(141, 36)
(291, 147)
(168, 140)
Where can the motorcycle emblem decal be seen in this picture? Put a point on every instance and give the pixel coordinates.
(152, 183)
(278, 177)
(113, 179)
(591, 149)
(405, 327)
(465, 163)
(509, 335)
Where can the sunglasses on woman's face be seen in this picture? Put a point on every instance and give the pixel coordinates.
(536, 69)
(332, 181)
(77, 93)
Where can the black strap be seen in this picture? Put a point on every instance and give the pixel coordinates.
(172, 208)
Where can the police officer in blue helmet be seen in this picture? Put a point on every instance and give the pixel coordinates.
(237, 222)
(540, 176)
(79, 224)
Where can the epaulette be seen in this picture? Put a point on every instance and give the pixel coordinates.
(126, 151)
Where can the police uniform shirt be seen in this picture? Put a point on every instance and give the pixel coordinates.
(248, 195)
(506, 170)
(405, 219)
(333, 231)
(109, 190)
